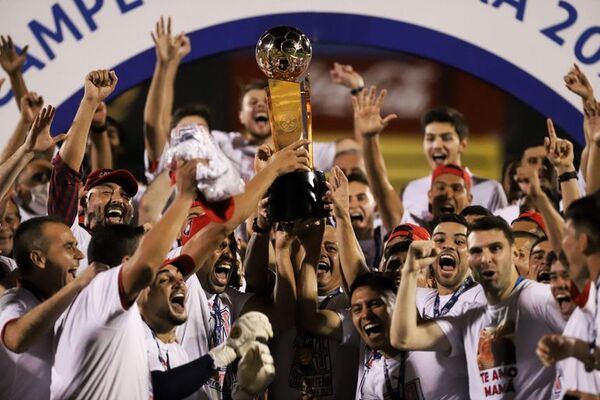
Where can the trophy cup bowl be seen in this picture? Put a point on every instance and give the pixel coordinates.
(283, 53)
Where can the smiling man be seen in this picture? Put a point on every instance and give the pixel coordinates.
(498, 340)
(445, 138)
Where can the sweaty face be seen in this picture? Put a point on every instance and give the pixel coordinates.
(448, 195)
(442, 145)
(254, 115)
(560, 285)
(164, 301)
(451, 265)
(61, 257)
(372, 315)
(107, 204)
(490, 260)
(223, 261)
(329, 275)
(9, 222)
(538, 270)
(362, 207)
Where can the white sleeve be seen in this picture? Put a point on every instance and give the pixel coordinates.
(10, 309)
(453, 328)
(323, 155)
(349, 334)
(539, 299)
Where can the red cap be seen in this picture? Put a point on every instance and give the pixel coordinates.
(410, 231)
(184, 263)
(121, 177)
(452, 169)
(534, 217)
(193, 226)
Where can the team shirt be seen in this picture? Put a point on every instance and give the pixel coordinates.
(100, 348)
(499, 343)
(486, 192)
(26, 375)
(314, 365)
(442, 377)
(570, 372)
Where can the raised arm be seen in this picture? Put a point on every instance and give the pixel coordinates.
(38, 141)
(560, 153)
(100, 151)
(259, 253)
(310, 318)
(31, 104)
(98, 85)
(154, 199)
(368, 123)
(140, 270)
(20, 334)
(592, 111)
(352, 258)
(406, 332)
(12, 62)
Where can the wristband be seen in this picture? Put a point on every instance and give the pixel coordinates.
(567, 176)
(98, 129)
(357, 90)
(258, 229)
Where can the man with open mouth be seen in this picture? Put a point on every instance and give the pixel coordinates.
(564, 290)
(454, 293)
(445, 137)
(538, 269)
(504, 332)
(107, 195)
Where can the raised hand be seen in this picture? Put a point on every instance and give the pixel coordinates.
(262, 156)
(559, 151)
(99, 85)
(262, 215)
(293, 157)
(169, 48)
(31, 104)
(10, 60)
(346, 76)
(367, 112)
(591, 110)
(529, 181)
(553, 348)
(337, 192)
(186, 178)
(183, 45)
(421, 254)
(578, 83)
(39, 139)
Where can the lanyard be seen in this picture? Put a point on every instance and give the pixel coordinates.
(398, 393)
(519, 280)
(328, 298)
(448, 306)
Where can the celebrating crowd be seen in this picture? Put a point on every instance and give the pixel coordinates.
(458, 287)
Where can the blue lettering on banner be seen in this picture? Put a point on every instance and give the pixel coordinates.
(583, 39)
(125, 7)
(519, 6)
(552, 31)
(60, 18)
(88, 13)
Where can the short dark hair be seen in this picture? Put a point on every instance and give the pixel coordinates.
(538, 241)
(585, 214)
(447, 114)
(475, 210)
(192, 109)
(111, 243)
(357, 175)
(490, 223)
(256, 84)
(28, 237)
(375, 280)
(525, 234)
(456, 218)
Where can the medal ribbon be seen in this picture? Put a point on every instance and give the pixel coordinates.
(448, 306)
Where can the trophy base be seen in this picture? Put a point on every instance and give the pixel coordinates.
(297, 196)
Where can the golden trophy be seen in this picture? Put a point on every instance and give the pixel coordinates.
(283, 53)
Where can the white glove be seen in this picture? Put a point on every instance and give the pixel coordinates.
(256, 370)
(246, 330)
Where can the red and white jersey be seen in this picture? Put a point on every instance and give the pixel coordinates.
(26, 375)
(100, 349)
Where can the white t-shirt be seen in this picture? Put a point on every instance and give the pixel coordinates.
(26, 375)
(486, 192)
(570, 372)
(499, 343)
(100, 349)
(241, 153)
(321, 366)
(443, 377)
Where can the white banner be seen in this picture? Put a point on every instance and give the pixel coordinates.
(521, 46)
